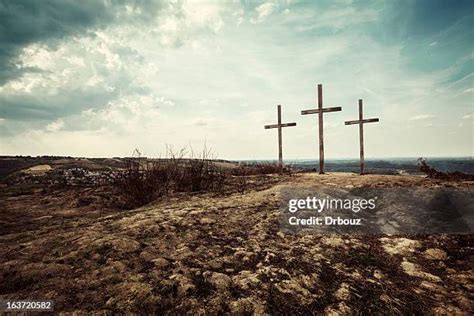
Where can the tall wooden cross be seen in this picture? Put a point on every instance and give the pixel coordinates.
(279, 125)
(361, 121)
(320, 110)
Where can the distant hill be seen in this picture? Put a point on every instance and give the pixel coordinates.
(383, 166)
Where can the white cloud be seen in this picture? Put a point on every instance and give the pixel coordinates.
(467, 117)
(55, 126)
(421, 117)
(184, 21)
(200, 71)
(203, 14)
(468, 90)
(263, 11)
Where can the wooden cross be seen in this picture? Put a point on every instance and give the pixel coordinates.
(320, 110)
(361, 121)
(280, 126)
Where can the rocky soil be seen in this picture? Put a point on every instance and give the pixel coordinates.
(207, 254)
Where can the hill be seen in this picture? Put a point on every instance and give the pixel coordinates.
(226, 254)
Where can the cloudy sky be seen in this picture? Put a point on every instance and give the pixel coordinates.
(100, 78)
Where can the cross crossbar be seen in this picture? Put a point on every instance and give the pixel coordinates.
(325, 110)
(371, 120)
(281, 125)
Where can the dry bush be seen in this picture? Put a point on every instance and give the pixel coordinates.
(448, 176)
(261, 168)
(241, 173)
(246, 175)
(201, 173)
(145, 180)
(142, 182)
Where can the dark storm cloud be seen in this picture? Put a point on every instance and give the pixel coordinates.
(27, 107)
(67, 100)
(23, 22)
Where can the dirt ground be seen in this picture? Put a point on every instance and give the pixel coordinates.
(208, 254)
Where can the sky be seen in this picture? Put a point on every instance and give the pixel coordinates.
(100, 78)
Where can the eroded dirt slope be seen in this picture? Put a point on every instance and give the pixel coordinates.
(204, 254)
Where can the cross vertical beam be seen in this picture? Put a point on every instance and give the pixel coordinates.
(321, 129)
(361, 121)
(320, 111)
(361, 137)
(280, 125)
(280, 141)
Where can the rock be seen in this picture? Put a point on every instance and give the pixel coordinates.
(185, 285)
(146, 256)
(356, 275)
(435, 254)
(119, 266)
(338, 310)
(243, 256)
(246, 306)
(447, 310)
(333, 241)
(399, 246)
(432, 287)
(415, 271)
(343, 293)
(294, 288)
(215, 263)
(220, 280)
(160, 263)
(242, 306)
(245, 280)
(183, 252)
(196, 212)
(206, 221)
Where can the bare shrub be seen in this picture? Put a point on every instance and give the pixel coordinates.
(261, 168)
(142, 182)
(241, 173)
(201, 173)
(449, 176)
(145, 180)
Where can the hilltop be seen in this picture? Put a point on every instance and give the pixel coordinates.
(226, 254)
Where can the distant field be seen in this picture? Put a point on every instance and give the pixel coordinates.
(384, 166)
(11, 164)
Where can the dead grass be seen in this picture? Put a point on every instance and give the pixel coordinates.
(144, 181)
(157, 259)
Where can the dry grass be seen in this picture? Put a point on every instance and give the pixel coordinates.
(144, 180)
(208, 253)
